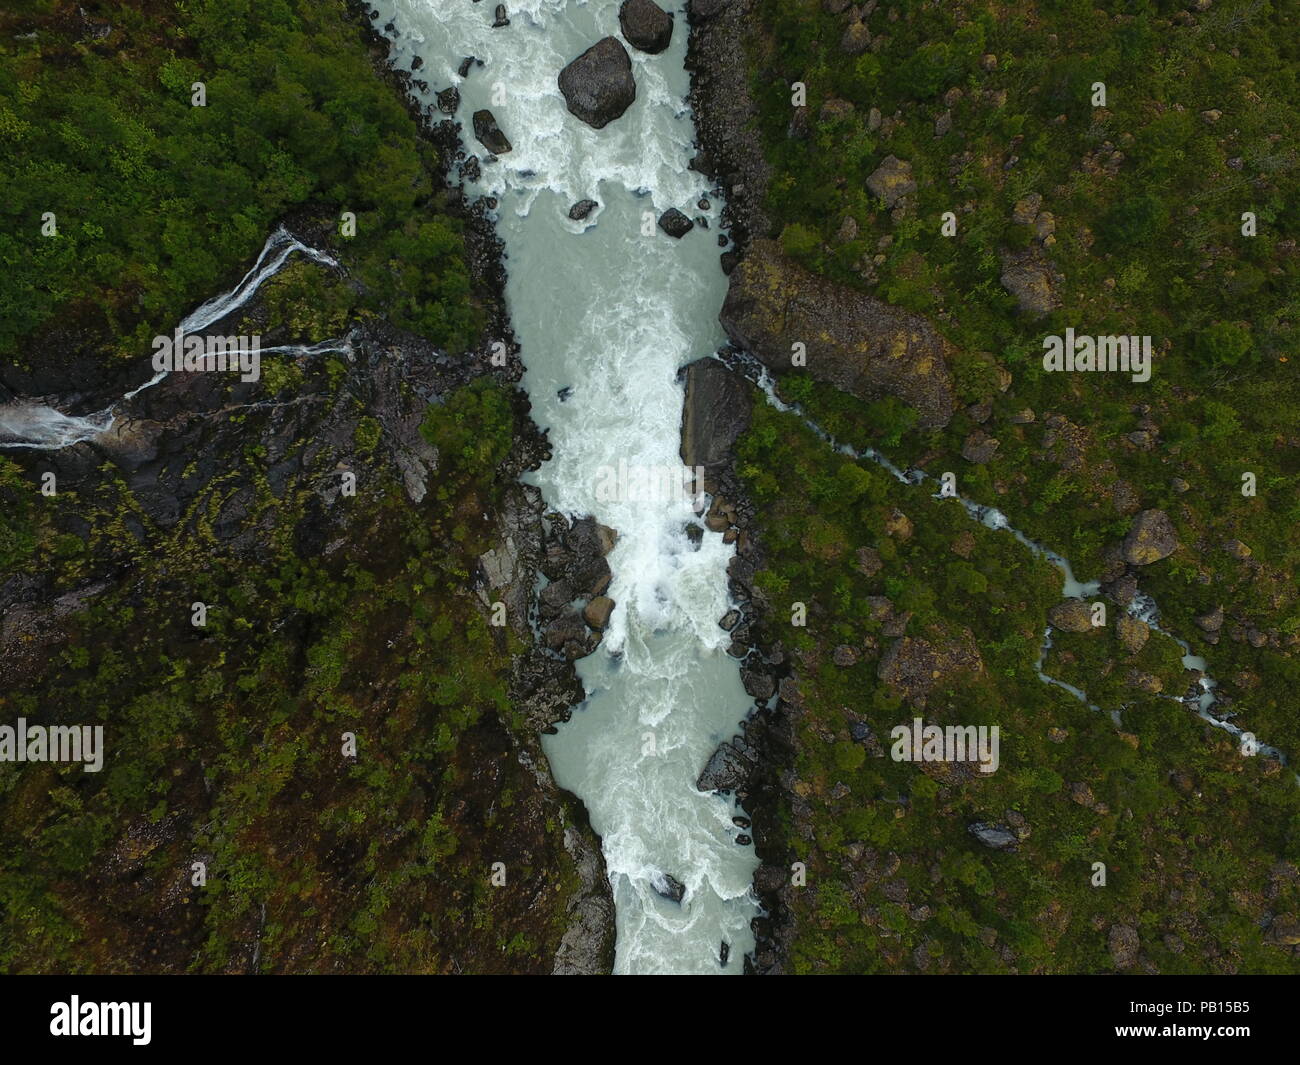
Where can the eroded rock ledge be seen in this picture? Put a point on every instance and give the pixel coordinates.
(858, 344)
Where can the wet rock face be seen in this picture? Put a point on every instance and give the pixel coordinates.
(582, 209)
(728, 768)
(1151, 538)
(646, 26)
(716, 412)
(598, 86)
(489, 133)
(675, 224)
(858, 344)
(573, 560)
(669, 887)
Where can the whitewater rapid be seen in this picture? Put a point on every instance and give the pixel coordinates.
(606, 315)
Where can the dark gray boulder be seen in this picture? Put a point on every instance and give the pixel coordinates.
(675, 224)
(646, 26)
(669, 887)
(581, 209)
(716, 412)
(489, 133)
(598, 86)
(726, 770)
(449, 100)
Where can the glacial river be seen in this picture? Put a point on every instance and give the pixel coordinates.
(606, 315)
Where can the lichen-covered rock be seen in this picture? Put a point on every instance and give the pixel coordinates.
(979, 448)
(1072, 616)
(858, 344)
(913, 666)
(1133, 633)
(1123, 944)
(891, 180)
(1151, 538)
(996, 837)
(1026, 276)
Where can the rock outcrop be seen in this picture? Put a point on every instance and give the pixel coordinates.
(716, 412)
(858, 344)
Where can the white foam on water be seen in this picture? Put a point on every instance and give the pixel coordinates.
(610, 315)
(34, 424)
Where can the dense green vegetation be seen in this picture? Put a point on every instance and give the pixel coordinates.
(1194, 836)
(226, 741)
(158, 203)
(1131, 213)
(328, 614)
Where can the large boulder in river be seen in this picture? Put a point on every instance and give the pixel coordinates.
(675, 224)
(489, 133)
(858, 344)
(717, 410)
(1151, 538)
(726, 770)
(668, 886)
(646, 25)
(598, 86)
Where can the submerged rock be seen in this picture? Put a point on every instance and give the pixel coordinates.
(598, 86)
(646, 26)
(489, 133)
(668, 887)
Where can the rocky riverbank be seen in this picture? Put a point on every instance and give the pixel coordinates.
(326, 468)
(717, 411)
